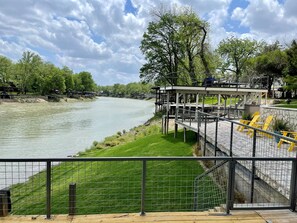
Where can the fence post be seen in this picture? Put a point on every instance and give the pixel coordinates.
(48, 189)
(230, 186)
(204, 147)
(231, 139)
(253, 166)
(293, 190)
(3, 205)
(143, 182)
(167, 124)
(72, 199)
(216, 136)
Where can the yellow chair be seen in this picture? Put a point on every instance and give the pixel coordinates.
(263, 126)
(292, 144)
(251, 123)
(246, 122)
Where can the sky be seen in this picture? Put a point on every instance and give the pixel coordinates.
(103, 36)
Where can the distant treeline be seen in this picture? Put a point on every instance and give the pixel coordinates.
(131, 90)
(33, 75)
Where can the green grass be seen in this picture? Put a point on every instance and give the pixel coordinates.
(115, 187)
(283, 104)
(213, 100)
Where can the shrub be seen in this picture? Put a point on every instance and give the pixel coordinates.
(280, 125)
(246, 116)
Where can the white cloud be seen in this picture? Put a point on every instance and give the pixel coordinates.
(268, 19)
(100, 37)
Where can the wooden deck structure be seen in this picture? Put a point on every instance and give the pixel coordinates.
(276, 216)
(181, 95)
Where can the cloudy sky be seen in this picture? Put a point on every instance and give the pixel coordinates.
(103, 36)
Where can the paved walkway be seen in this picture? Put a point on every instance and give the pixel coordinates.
(279, 216)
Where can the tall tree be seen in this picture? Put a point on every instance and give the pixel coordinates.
(193, 33)
(291, 69)
(270, 64)
(235, 53)
(171, 45)
(28, 66)
(161, 49)
(87, 81)
(68, 76)
(5, 70)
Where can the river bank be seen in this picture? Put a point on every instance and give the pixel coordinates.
(42, 99)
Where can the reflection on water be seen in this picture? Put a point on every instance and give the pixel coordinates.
(61, 129)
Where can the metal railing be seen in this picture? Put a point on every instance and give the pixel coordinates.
(144, 184)
(223, 135)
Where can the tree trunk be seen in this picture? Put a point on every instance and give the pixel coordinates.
(202, 54)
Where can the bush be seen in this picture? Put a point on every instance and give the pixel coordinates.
(280, 125)
(246, 116)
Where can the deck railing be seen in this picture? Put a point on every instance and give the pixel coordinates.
(223, 135)
(143, 184)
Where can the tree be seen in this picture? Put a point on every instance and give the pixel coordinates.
(161, 50)
(5, 71)
(236, 53)
(172, 46)
(68, 77)
(193, 32)
(271, 63)
(28, 68)
(87, 81)
(291, 69)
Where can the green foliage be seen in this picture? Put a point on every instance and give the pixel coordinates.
(175, 45)
(5, 70)
(270, 64)
(132, 90)
(235, 53)
(280, 125)
(32, 74)
(246, 116)
(291, 69)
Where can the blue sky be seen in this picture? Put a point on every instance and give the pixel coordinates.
(103, 37)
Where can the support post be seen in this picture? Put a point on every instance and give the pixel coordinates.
(48, 189)
(253, 167)
(185, 134)
(143, 182)
(293, 191)
(175, 130)
(167, 123)
(3, 205)
(204, 146)
(230, 186)
(72, 199)
(216, 136)
(231, 139)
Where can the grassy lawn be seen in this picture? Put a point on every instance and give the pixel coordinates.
(283, 104)
(115, 187)
(213, 100)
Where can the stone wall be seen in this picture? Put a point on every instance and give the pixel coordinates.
(287, 114)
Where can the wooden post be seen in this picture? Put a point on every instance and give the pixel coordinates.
(185, 134)
(3, 205)
(175, 130)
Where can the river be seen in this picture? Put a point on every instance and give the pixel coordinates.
(48, 130)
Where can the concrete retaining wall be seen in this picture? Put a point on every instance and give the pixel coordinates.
(287, 114)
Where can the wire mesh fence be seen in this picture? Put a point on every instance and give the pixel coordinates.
(234, 138)
(125, 185)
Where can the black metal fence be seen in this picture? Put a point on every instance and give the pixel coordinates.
(148, 184)
(234, 138)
